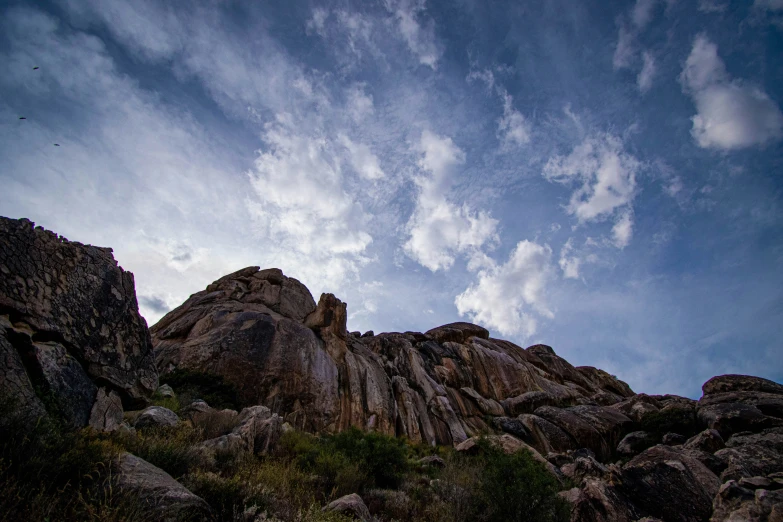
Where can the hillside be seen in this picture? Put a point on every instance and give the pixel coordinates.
(75, 349)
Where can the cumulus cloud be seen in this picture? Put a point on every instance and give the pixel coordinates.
(731, 113)
(364, 162)
(645, 78)
(439, 229)
(623, 230)
(301, 202)
(418, 34)
(569, 262)
(605, 175)
(510, 297)
(513, 128)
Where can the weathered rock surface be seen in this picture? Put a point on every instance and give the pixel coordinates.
(350, 505)
(156, 494)
(438, 387)
(753, 454)
(737, 503)
(670, 485)
(636, 442)
(156, 416)
(106, 414)
(69, 324)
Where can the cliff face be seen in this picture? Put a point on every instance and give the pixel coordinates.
(69, 325)
(263, 332)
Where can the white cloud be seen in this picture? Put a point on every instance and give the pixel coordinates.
(486, 76)
(712, 6)
(569, 263)
(362, 159)
(439, 229)
(317, 20)
(625, 49)
(607, 175)
(645, 79)
(359, 104)
(731, 114)
(772, 5)
(302, 204)
(623, 230)
(419, 38)
(642, 12)
(510, 297)
(513, 128)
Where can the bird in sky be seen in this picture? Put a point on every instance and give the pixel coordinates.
(35, 68)
(56, 144)
(22, 118)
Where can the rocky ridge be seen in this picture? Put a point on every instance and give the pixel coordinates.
(71, 339)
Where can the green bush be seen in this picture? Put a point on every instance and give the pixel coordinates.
(517, 487)
(191, 385)
(382, 457)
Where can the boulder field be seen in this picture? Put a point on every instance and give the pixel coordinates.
(71, 338)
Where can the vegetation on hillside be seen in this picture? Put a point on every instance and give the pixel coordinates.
(50, 474)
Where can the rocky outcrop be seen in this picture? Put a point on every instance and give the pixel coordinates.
(262, 332)
(69, 326)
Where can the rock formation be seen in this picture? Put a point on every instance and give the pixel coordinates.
(263, 332)
(70, 330)
(71, 339)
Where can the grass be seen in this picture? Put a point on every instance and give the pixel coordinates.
(48, 473)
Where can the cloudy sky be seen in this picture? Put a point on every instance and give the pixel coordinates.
(602, 177)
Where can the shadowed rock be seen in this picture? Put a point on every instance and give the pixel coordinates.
(70, 314)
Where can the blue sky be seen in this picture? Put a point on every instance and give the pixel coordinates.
(602, 177)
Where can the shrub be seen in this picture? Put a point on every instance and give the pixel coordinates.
(191, 385)
(214, 423)
(49, 472)
(224, 495)
(517, 487)
(383, 458)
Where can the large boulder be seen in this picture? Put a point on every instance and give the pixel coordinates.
(737, 503)
(350, 505)
(752, 454)
(72, 313)
(708, 440)
(670, 485)
(735, 417)
(602, 501)
(636, 442)
(155, 494)
(156, 417)
(735, 383)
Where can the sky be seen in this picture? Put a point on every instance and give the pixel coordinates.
(602, 177)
